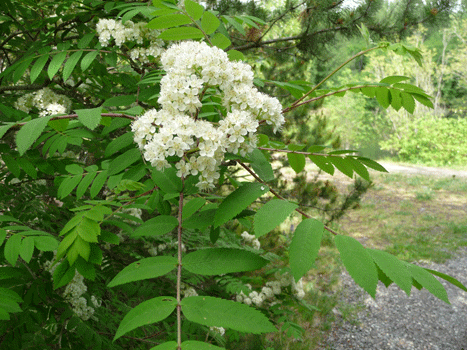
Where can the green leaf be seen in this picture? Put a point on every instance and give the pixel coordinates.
(181, 33)
(271, 215)
(46, 243)
(68, 185)
(235, 55)
(87, 60)
(157, 226)
(221, 41)
(427, 281)
(394, 79)
(209, 23)
(63, 274)
(166, 181)
(80, 247)
(358, 263)
(369, 91)
(234, 24)
(98, 183)
(323, 163)
(38, 67)
(238, 200)
(4, 316)
(2, 236)
(359, 168)
(261, 166)
(119, 143)
(4, 129)
(199, 221)
(169, 21)
(90, 118)
(12, 248)
(88, 230)
(11, 164)
(27, 166)
(71, 64)
(371, 164)
(396, 100)
(59, 124)
(382, 96)
(343, 165)
(27, 249)
(211, 312)
(218, 261)
(84, 184)
(296, 161)
(74, 169)
(8, 218)
(197, 345)
(392, 267)
(192, 206)
(170, 345)
(423, 100)
(450, 279)
(30, 132)
(9, 305)
(214, 234)
(123, 161)
(21, 69)
(305, 246)
(408, 102)
(120, 101)
(194, 10)
(150, 311)
(6, 293)
(145, 269)
(85, 40)
(55, 64)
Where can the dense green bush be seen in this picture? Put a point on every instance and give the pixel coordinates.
(431, 141)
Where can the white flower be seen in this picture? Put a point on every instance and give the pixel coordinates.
(178, 130)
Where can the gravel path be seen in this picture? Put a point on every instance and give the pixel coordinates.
(395, 321)
(423, 170)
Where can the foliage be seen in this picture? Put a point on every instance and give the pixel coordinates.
(98, 218)
(431, 141)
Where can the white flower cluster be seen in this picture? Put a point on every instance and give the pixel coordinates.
(187, 291)
(251, 239)
(177, 130)
(134, 32)
(153, 249)
(73, 294)
(46, 101)
(272, 289)
(220, 330)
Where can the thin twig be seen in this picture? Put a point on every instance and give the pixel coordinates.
(277, 195)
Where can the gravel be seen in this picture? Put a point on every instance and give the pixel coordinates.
(395, 321)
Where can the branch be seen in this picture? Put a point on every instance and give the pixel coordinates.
(277, 195)
(72, 116)
(300, 152)
(23, 87)
(295, 104)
